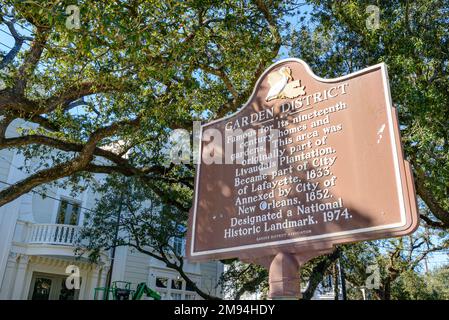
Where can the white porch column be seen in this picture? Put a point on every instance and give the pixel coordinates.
(9, 213)
(104, 274)
(83, 295)
(8, 219)
(93, 283)
(8, 277)
(19, 284)
(118, 272)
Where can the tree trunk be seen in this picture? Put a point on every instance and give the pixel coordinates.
(318, 273)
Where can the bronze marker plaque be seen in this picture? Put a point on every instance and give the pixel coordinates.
(339, 177)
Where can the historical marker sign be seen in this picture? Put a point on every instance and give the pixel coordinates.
(306, 164)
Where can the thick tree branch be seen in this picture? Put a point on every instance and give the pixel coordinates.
(60, 145)
(236, 102)
(413, 264)
(78, 91)
(223, 76)
(432, 223)
(179, 268)
(31, 60)
(18, 42)
(44, 176)
(16, 102)
(318, 273)
(66, 169)
(426, 195)
(5, 121)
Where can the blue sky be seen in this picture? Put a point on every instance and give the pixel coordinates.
(6, 40)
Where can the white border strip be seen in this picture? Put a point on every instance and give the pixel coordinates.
(388, 104)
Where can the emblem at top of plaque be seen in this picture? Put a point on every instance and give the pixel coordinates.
(283, 86)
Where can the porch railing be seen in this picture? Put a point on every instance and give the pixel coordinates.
(61, 234)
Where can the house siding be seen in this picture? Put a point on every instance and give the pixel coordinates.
(6, 157)
(137, 267)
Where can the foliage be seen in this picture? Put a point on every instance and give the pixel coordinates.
(399, 264)
(118, 85)
(130, 214)
(437, 281)
(241, 278)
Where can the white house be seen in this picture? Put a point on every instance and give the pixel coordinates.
(37, 237)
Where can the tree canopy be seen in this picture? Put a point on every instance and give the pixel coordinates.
(132, 72)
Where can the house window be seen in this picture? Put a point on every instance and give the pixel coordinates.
(175, 296)
(176, 284)
(329, 281)
(42, 287)
(178, 246)
(161, 282)
(189, 287)
(69, 213)
(189, 297)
